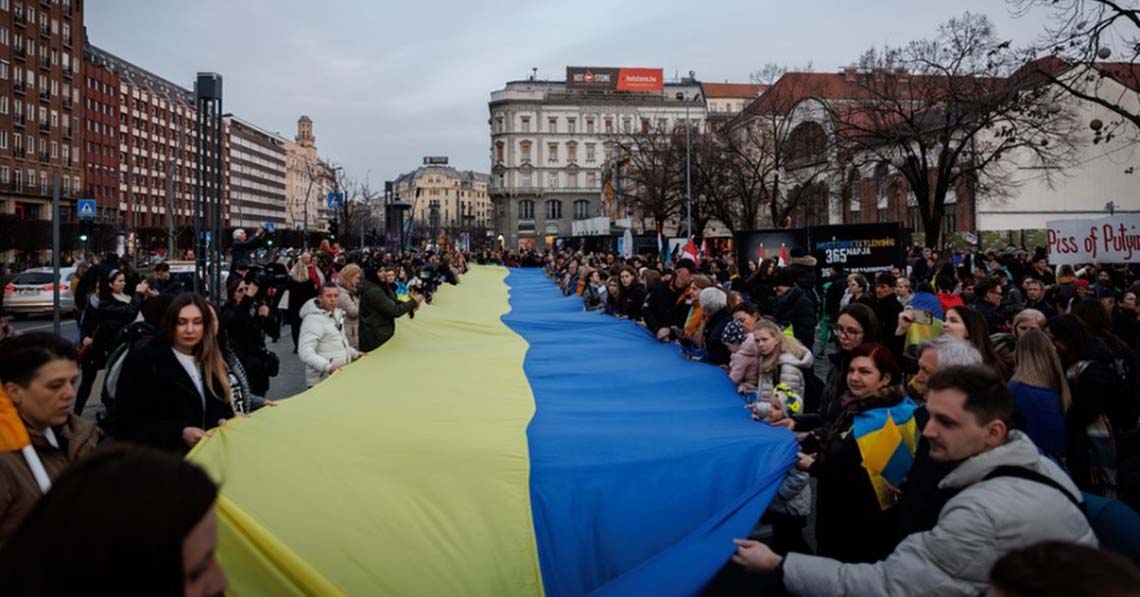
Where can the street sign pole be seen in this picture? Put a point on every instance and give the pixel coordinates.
(56, 326)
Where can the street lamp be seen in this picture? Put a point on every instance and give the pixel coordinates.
(688, 167)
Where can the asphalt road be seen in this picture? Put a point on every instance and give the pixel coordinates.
(289, 382)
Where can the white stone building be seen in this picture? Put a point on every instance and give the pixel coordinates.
(549, 145)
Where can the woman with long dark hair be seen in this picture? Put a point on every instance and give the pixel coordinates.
(114, 308)
(631, 299)
(125, 521)
(175, 388)
(968, 324)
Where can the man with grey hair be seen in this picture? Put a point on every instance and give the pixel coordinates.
(242, 249)
(943, 351)
(714, 307)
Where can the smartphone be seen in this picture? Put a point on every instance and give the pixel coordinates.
(922, 316)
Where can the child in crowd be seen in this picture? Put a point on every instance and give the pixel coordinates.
(787, 515)
(744, 363)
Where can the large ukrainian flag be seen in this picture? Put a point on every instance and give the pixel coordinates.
(504, 443)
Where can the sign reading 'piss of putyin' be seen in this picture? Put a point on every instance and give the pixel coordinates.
(1115, 239)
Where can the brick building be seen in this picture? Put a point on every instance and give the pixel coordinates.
(41, 50)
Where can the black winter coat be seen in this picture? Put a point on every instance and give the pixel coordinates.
(664, 308)
(632, 302)
(103, 324)
(157, 399)
(378, 312)
(850, 526)
(795, 308)
(718, 353)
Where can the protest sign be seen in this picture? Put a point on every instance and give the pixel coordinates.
(1115, 239)
(858, 248)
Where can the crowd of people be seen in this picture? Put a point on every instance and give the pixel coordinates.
(965, 420)
(960, 414)
(175, 365)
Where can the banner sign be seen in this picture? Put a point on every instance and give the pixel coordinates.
(435, 160)
(758, 245)
(1115, 239)
(858, 248)
(590, 226)
(614, 79)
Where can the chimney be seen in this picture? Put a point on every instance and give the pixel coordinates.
(849, 73)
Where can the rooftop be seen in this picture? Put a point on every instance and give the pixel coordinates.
(137, 76)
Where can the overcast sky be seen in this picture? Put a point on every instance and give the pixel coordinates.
(389, 82)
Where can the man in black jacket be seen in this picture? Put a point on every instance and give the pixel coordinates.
(793, 307)
(242, 250)
(666, 305)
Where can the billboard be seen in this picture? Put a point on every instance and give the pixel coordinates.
(1115, 239)
(858, 248)
(758, 245)
(435, 160)
(614, 79)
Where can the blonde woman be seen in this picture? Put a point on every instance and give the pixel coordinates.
(349, 302)
(1040, 392)
(174, 389)
(781, 361)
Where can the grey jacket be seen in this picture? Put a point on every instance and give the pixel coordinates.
(983, 522)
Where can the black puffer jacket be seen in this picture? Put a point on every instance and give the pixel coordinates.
(795, 308)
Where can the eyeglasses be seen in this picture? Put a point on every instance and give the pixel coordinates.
(849, 332)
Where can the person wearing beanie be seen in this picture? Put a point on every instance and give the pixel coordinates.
(714, 308)
(794, 308)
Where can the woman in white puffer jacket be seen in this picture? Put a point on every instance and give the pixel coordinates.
(323, 346)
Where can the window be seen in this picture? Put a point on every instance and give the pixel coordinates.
(498, 124)
(32, 178)
(5, 174)
(499, 151)
(626, 122)
(525, 123)
(66, 153)
(881, 215)
(609, 125)
(552, 152)
(644, 126)
(571, 125)
(552, 124)
(4, 35)
(950, 222)
(526, 209)
(3, 69)
(3, 139)
(590, 126)
(54, 118)
(524, 151)
(54, 150)
(661, 124)
(581, 209)
(3, 104)
(525, 182)
(591, 180)
(554, 209)
(552, 180)
(67, 33)
(18, 178)
(572, 152)
(589, 153)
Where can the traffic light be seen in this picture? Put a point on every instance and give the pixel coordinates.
(84, 231)
(332, 229)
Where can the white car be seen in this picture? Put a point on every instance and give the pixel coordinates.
(31, 291)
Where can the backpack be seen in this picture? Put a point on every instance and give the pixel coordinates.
(129, 337)
(1116, 526)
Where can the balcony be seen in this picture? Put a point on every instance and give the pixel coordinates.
(67, 133)
(19, 120)
(44, 95)
(67, 102)
(45, 128)
(67, 71)
(19, 87)
(19, 18)
(44, 29)
(45, 62)
(20, 53)
(45, 157)
(19, 152)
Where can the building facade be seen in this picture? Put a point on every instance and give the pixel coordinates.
(41, 54)
(445, 200)
(308, 181)
(129, 169)
(257, 175)
(550, 145)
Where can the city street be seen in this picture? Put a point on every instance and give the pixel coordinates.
(289, 382)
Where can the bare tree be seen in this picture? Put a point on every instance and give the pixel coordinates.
(946, 113)
(355, 213)
(758, 148)
(652, 170)
(1081, 37)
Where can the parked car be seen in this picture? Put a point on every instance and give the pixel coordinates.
(31, 291)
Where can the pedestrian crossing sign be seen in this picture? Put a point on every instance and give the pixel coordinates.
(86, 208)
